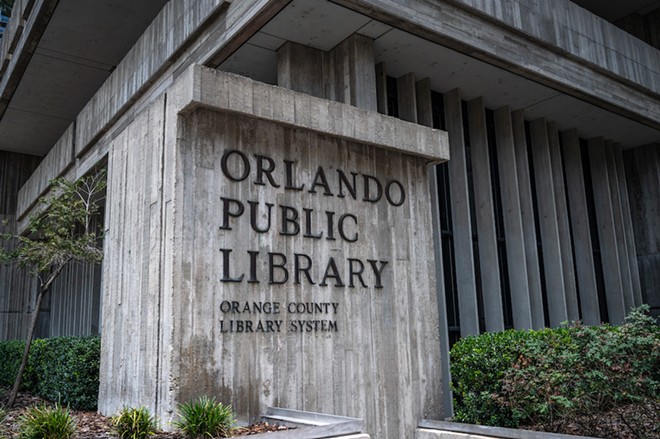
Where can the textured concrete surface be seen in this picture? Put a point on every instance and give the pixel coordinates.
(347, 325)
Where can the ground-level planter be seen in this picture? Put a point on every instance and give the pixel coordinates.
(428, 429)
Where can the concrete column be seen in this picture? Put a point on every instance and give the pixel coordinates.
(424, 104)
(355, 74)
(528, 221)
(642, 166)
(577, 199)
(513, 228)
(617, 211)
(447, 400)
(628, 227)
(460, 214)
(547, 211)
(407, 97)
(381, 88)
(606, 231)
(568, 268)
(301, 68)
(485, 213)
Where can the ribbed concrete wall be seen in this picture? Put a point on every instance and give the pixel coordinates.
(580, 33)
(16, 286)
(642, 167)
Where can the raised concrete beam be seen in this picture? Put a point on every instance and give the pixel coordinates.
(460, 214)
(547, 213)
(577, 199)
(485, 213)
(513, 226)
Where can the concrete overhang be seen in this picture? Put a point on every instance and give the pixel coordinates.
(76, 50)
(323, 24)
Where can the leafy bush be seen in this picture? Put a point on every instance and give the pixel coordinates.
(601, 369)
(10, 359)
(563, 376)
(41, 421)
(63, 369)
(478, 365)
(205, 417)
(134, 423)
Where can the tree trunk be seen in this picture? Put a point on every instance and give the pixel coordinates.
(26, 352)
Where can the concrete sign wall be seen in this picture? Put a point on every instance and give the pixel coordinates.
(271, 248)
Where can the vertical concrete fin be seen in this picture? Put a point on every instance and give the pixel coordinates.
(627, 224)
(528, 221)
(513, 225)
(407, 97)
(577, 201)
(460, 214)
(617, 211)
(485, 213)
(547, 213)
(563, 222)
(424, 103)
(381, 88)
(606, 231)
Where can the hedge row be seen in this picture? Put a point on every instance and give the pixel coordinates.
(61, 369)
(515, 378)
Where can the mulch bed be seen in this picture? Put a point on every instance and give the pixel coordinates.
(91, 425)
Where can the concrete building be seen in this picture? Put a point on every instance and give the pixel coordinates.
(547, 210)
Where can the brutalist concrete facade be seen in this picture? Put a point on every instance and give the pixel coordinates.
(546, 211)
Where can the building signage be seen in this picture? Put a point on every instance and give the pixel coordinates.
(286, 267)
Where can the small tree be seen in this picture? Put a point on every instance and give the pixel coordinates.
(62, 231)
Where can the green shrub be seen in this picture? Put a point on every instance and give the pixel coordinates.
(135, 423)
(553, 376)
(62, 369)
(478, 365)
(205, 417)
(43, 422)
(601, 369)
(10, 359)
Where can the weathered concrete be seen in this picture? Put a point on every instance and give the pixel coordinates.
(485, 213)
(373, 353)
(54, 165)
(606, 231)
(528, 221)
(460, 212)
(642, 169)
(429, 429)
(577, 200)
(345, 74)
(547, 212)
(469, 27)
(567, 263)
(513, 225)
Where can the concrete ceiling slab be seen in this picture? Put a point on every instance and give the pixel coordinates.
(254, 62)
(56, 87)
(81, 45)
(321, 24)
(98, 31)
(613, 10)
(29, 133)
(318, 24)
